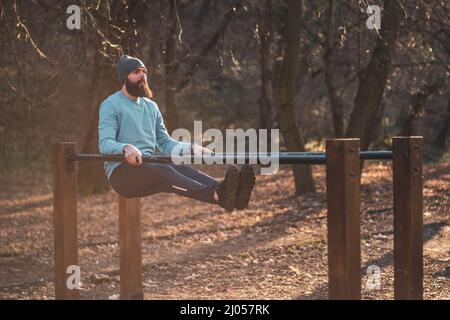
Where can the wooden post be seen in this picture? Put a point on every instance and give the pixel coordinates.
(65, 218)
(130, 249)
(343, 202)
(408, 218)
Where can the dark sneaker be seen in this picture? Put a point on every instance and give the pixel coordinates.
(246, 184)
(228, 188)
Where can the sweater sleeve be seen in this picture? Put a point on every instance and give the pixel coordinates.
(165, 142)
(108, 123)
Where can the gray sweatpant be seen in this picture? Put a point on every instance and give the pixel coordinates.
(150, 178)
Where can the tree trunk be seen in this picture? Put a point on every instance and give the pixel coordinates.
(371, 86)
(91, 175)
(171, 67)
(377, 134)
(417, 108)
(336, 103)
(291, 133)
(438, 145)
(265, 100)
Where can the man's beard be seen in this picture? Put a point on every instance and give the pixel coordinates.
(138, 91)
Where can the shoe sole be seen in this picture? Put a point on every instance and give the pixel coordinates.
(246, 184)
(231, 188)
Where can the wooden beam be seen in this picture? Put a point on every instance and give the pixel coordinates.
(131, 287)
(408, 218)
(64, 217)
(343, 202)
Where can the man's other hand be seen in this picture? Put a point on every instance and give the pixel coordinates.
(133, 155)
(199, 151)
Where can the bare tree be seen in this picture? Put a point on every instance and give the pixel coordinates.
(289, 128)
(372, 84)
(337, 105)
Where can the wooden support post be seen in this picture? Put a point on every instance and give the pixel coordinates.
(65, 219)
(343, 202)
(130, 249)
(408, 218)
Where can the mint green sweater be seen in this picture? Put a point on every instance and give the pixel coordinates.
(124, 121)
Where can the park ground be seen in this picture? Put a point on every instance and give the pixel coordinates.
(275, 249)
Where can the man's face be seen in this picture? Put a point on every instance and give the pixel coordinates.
(136, 83)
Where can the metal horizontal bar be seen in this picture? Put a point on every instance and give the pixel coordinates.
(253, 158)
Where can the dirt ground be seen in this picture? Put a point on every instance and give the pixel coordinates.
(275, 249)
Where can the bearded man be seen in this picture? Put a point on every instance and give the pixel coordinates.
(131, 124)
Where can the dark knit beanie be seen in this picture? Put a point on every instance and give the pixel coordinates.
(125, 65)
